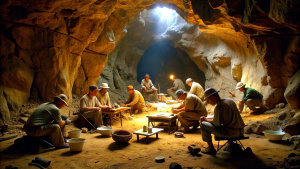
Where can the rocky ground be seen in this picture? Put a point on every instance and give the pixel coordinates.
(104, 152)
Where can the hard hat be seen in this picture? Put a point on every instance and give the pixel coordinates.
(63, 98)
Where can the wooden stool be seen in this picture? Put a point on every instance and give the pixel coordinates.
(233, 139)
(151, 97)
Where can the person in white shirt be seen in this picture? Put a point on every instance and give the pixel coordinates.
(148, 88)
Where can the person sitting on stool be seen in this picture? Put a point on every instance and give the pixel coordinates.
(90, 107)
(227, 121)
(148, 88)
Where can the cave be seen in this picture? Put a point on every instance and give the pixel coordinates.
(161, 60)
(63, 47)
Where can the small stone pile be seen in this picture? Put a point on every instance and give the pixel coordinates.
(287, 120)
(291, 162)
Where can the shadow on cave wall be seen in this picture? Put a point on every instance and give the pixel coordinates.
(161, 59)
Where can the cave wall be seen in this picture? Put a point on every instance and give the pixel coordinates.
(51, 47)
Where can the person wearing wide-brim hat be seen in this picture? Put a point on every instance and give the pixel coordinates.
(227, 121)
(135, 100)
(46, 122)
(196, 88)
(103, 96)
(190, 111)
(252, 98)
(148, 88)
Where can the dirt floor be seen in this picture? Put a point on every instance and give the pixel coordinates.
(104, 152)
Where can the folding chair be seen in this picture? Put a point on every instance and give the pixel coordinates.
(233, 139)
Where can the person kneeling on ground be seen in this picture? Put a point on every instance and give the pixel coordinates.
(252, 98)
(135, 100)
(227, 121)
(46, 122)
(190, 111)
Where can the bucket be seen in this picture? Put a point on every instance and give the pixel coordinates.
(74, 133)
(76, 144)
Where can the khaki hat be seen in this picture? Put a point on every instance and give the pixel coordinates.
(147, 75)
(239, 85)
(63, 98)
(188, 80)
(209, 92)
(130, 87)
(104, 85)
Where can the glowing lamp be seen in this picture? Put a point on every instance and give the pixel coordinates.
(171, 76)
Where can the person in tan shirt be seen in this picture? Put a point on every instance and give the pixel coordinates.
(196, 88)
(227, 121)
(103, 96)
(90, 107)
(135, 100)
(190, 111)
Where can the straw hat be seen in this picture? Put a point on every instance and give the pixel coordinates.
(104, 85)
(239, 85)
(209, 92)
(63, 98)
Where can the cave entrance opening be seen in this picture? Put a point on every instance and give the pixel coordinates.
(161, 59)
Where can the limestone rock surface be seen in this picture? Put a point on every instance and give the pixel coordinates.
(292, 91)
(54, 47)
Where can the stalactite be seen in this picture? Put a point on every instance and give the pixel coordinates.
(278, 10)
(247, 11)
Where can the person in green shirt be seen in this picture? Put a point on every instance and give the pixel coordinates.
(46, 122)
(252, 98)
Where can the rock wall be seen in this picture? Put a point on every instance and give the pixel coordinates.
(53, 47)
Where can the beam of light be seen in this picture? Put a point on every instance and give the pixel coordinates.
(167, 19)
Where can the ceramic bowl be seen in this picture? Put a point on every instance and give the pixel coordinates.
(273, 135)
(105, 131)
